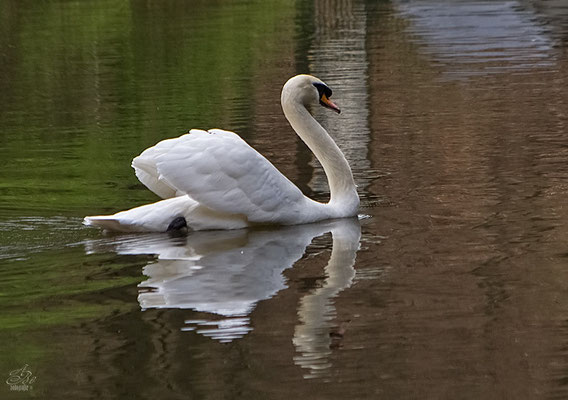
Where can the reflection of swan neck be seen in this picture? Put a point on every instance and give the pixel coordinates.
(316, 310)
(341, 184)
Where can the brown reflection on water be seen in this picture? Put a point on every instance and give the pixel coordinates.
(337, 55)
(475, 295)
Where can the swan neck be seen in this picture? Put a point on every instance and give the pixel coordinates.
(340, 179)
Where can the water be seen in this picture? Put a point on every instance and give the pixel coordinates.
(451, 284)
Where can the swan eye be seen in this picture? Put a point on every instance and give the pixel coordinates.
(324, 95)
(323, 90)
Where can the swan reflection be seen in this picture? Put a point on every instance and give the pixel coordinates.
(226, 273)
(312, 336)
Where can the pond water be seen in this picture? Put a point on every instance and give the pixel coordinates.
(452, 283)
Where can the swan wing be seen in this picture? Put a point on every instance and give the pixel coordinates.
(221, 171)
(146, 169)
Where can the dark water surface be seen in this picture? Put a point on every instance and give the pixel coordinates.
(453, 283)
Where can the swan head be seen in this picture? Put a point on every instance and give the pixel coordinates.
(307, 89)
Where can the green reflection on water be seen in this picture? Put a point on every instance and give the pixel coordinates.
(86, 86)
(50, 285)
(51, 290)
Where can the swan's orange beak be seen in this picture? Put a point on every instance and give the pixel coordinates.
(324, 101)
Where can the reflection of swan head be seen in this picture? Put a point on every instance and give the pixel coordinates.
(316, 312)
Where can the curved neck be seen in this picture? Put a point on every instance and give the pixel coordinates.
(339, 177)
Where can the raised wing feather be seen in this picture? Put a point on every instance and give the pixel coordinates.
(147, 171)
(221, 171)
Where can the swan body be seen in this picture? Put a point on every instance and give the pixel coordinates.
(214, 180)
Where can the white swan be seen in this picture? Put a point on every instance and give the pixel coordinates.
(215, 180)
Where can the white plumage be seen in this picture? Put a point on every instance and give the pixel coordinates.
(215, 180)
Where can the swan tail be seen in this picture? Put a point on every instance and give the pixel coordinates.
(167, 215)
(155, 217)
(109, 223)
